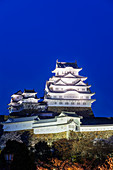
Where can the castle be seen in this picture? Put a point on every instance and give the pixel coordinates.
(66, 91)
(66, 106)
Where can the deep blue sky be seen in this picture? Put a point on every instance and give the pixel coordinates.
(33, 34)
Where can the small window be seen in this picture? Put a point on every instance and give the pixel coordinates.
(60, 102)
(78, 103)
(66, 103)
(87, 97)
(71, 126)
(72, 103)
(55, 102)
(84, 103)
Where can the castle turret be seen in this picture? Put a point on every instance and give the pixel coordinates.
(66, 90)
(24, 103)
(14, 105)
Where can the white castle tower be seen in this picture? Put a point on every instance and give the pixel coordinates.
(67, 90)
(24, 102)
(14, 105)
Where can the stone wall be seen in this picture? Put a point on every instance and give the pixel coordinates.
(91, 135)
(77, 136)
(82, 111)
(49, 138)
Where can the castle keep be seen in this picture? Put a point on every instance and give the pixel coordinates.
(67, 91)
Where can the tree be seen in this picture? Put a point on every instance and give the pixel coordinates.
(42, 151)
(25, 137)
(63, 149)
(22, 158)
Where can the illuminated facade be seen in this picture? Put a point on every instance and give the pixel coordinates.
(64, 122)
(67, 88)
(24, 101)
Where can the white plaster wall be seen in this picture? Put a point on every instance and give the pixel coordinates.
(17, 126)
(96, 128)
(57, 103)
(69, 95)
(63, 71)
(51, 129)
(43, 124)
(29, 94)
(63, 88)
(32, 100)
(61, 120)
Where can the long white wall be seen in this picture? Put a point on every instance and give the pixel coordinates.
(17, 126)
(85, 128)
(51, 129)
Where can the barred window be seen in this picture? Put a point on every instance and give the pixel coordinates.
(60, 102)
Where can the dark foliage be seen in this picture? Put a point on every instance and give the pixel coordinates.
(63, 149)
(42, 151)
(22, 159)
(25, 137)
(2, 162)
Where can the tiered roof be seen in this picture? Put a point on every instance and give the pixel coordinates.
(18, 92)
(67, 80)
(66, 64)
(20, 97)
(29, 91)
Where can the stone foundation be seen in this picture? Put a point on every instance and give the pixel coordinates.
(81, 111)
(91, 135)
(49, 138)
(76, 136)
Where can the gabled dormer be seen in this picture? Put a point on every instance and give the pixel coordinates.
(60, 82)
(62, 115)
(69, 75)
(9, 120)
(80, 83)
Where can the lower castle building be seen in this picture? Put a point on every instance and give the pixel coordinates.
(66, 121)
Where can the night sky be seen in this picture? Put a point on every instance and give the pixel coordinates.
(33, 34)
